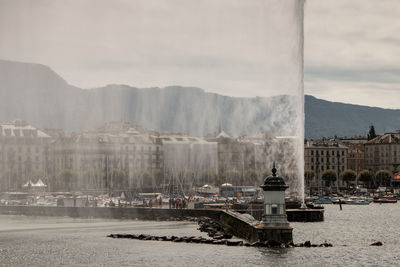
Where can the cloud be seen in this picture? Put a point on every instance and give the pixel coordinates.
(352, 51)
(232, 47)
(355, 74)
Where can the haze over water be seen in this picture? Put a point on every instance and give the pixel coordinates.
(232, 48)
(58, 241)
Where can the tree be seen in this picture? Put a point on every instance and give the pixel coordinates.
(158, 177)
(118, 179)
(68, 179)
(309, 176)
(220, 179)
(233, 176)
(208, 177)
(366, 177)
(383, 177)
(266, 174)
(250, 177)
(371, 133)
(147, 181)
(329, 176)
(348, 176)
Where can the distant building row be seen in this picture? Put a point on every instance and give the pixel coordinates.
(121, 155)
(380, 153)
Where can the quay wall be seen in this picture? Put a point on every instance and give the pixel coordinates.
(111, 212)
(295, 215)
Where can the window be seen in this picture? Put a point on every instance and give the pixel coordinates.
(274, 209)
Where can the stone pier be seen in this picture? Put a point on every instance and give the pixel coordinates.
(246, 227)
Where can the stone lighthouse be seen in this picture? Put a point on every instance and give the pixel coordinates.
(274, 221)
(274, 199)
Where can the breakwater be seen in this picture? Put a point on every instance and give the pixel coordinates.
(112, 212)
(294, 215)
(202, 240)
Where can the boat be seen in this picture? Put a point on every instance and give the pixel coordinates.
(351, 200)
(385, 200)
(323, 200)
(355, 201)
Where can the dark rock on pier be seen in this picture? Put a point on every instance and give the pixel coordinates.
(272, 243)
(202, 240)
(234, 243)
(212, 228)
(219, 242)
(378, 243)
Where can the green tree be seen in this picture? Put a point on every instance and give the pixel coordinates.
(371, 133)
(348, 176)
(383, 177)
(329, 176)
(308, 177)
(366, 177)
(250, 177)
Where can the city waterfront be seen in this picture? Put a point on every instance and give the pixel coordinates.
(57, 241)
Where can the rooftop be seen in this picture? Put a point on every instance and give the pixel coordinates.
(20, 129)
(387, 138)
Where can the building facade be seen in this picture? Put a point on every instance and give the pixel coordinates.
(323, 155)
(355, 153)
(25, 154)
(383, 153)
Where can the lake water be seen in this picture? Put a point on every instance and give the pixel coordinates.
(55, 241)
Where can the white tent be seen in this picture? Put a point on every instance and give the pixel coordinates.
(28, 184)
(39, 183)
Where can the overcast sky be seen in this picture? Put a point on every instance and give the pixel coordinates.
(233, 47)
(352, 51)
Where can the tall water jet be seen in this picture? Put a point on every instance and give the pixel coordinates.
(227, 72)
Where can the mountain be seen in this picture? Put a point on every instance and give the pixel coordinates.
(326, 119)
(36, 93)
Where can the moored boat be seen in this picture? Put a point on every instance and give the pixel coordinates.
(355, 201)
(385, 200)
(323, 200)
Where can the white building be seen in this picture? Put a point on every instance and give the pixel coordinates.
(24, 155)
(187, 157)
